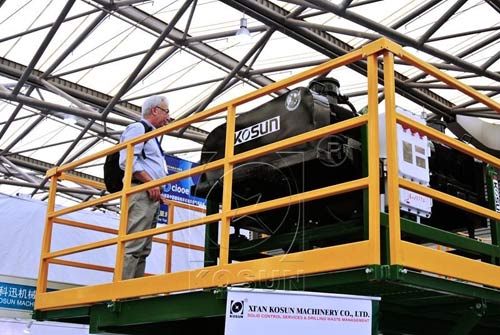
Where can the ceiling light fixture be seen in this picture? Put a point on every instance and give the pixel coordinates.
(70, 119)
(243, 33)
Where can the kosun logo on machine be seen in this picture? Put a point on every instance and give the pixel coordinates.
(257, 130)
(496, 194)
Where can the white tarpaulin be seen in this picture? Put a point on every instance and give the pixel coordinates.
(22, 225)
(256, 311)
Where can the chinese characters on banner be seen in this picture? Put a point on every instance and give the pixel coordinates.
(15, 296)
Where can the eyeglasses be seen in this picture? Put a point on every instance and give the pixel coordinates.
(163, 109)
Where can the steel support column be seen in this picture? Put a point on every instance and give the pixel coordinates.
(403, 39)
(145, 59)
(43, 46)
(449, 13)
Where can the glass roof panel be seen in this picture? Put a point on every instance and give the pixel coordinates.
(201, 52)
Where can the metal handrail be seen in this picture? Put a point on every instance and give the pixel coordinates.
(350, 255)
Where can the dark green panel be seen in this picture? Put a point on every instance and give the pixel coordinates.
(430, 234)
(72, 315)
(158, 309)
(339, 233)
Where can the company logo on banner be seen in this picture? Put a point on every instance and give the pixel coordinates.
(180, 190)
(255, 311)
(15, 296)
(18, 296)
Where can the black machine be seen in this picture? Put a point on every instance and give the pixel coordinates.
(308, 166)
(331, 160)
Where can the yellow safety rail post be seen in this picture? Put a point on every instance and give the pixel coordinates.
(408, 254)
(170, 238)
(392, 159)
(122, 230)
(373, 160)
(227, 186)
(43, 271)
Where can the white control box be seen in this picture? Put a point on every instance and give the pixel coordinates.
(413, 153)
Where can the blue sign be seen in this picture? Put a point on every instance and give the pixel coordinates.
(180, 190)
(15, 296)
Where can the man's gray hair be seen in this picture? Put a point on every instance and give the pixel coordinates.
(151, 102)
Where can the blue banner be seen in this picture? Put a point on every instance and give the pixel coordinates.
(180, 190)
(15, 296)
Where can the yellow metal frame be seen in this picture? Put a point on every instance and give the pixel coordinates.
(339, 257)
(409, 254)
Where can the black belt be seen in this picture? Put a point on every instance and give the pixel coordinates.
(136, 181)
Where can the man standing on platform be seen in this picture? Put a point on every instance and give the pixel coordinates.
(149, 164)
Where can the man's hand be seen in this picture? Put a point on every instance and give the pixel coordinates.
(163, 200)
(155, 193)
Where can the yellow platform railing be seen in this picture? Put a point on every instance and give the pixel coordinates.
(409, 254)
(332, 258)
(168, 241)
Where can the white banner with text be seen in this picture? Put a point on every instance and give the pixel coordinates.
(258, 311)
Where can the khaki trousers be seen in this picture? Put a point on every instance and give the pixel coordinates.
(142, 215)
